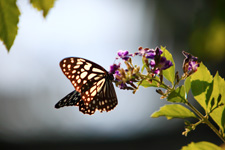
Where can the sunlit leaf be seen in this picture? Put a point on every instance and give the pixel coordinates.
(187, 85)
(43, 5)
(178, 95)
(169, 73)
(201, 146)
(201, 85)
(218, 98)
(9, 18)
(173, 111)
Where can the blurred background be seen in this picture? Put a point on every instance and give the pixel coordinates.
(31, 81)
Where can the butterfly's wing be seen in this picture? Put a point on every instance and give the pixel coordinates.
(72, 99)
(105, 100)
(87, 77)
(92, 82)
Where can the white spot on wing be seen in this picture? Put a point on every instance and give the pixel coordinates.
(91, 75)
(100, 84)
(79, 63)
(72, 60)
(97, 70)
(69, 66)
(77, 66)
(83, 75)
(80, 59)
(87, 66)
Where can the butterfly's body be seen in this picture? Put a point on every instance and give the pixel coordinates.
(92, 82)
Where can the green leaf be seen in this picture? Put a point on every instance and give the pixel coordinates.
(144, 64)
(9, 18)
(201, 146)
(187, 85)
(218, 98)
(146, 83)
(223, 120)
(201, 85)
(177, 96)
(169, 73)
(44, 5)
(173, 111)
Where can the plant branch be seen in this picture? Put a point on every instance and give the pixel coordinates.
(205, 120)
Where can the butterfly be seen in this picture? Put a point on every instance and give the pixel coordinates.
(93, 86)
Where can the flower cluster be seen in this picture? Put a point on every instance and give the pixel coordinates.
(154, 64)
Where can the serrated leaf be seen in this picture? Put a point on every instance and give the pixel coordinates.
(218, 97)
(43, 5)
(201, 85)
(9, 18)
(173, 111)
(169, 73)
(201, 146)
(177, 96)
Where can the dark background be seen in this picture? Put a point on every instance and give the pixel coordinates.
(31, 81)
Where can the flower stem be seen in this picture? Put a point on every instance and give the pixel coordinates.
(166, 86)
(205, 120)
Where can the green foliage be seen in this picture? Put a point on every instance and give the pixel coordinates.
(216, 102)
(153, 83)
(169, 73)
(210, 94)
(187, 85)
(201, 85)
(173, 111)
(177, 96)
(144, 65)
(9, 18)
(43, 5)
(208, 91)
(201, 146)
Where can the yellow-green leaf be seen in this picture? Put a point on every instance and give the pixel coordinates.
(177, 96)
(187, 85)
(169, 73)
(153, 83)
(173, 111)
(201, 85)
(218, 96)
(9, 18)
(201, 146)
(43, 5)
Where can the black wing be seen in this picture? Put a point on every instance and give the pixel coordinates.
(72, 99)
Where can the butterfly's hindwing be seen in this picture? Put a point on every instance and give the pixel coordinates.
(72, 99)
(105, 100)
(93, 83)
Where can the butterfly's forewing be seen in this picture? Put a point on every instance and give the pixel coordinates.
(72, 99)
(93, 83)
(84, 75)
